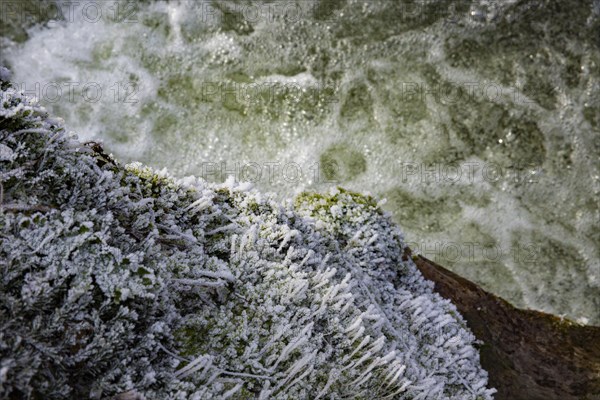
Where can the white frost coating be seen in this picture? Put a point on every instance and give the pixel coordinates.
(121, 278)
(4, 74)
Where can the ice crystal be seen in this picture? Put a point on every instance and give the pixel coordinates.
(123, 281)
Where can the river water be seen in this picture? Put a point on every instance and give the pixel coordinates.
(479, 121)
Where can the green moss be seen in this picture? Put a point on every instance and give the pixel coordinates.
(319, 201)
(254, 207)
(153, 183)
(191, 340)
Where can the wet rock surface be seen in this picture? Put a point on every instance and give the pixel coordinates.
(529, 355)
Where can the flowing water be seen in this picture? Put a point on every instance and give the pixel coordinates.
(479, 121)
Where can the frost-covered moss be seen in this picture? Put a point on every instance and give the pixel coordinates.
(118, 278)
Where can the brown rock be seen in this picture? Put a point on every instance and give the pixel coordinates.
(530, 355)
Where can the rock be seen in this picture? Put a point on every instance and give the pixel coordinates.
(529, 355)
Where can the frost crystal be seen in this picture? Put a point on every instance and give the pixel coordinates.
(120, 280)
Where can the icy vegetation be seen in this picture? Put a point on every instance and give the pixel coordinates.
(120, 279)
